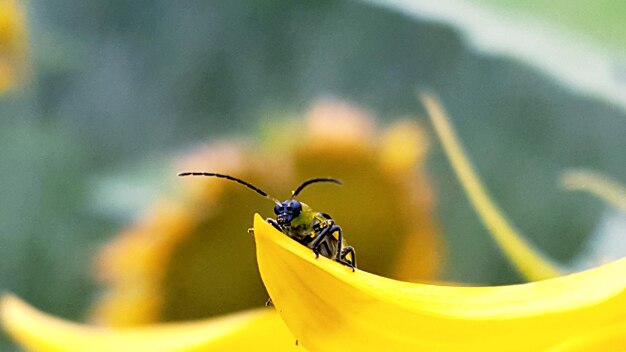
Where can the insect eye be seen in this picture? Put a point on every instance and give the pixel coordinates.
(277, 209)
(297, 207)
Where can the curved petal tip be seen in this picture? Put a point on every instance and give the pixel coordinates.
(330, 308)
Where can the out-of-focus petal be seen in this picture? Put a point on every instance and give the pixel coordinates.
(597, 184)
(330, 308)
(255, 330)
(527, 259)
(606, 243)
(12, 43)
(189, 256)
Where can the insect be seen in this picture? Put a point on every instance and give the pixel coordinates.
(316, 230)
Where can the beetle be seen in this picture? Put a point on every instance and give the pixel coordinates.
(316, 230)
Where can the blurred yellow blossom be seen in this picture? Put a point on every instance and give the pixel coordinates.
(189, 255)
(12, 43)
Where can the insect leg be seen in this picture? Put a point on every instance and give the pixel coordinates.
(274, 223)
(341, 251)
(325, 215)
(337, 228)
(344, 253)
(325, 249)
(317, 242)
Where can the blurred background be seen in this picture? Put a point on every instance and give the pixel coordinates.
(99, 99)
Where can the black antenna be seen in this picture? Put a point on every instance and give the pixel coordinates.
(314, 180)
(254, 188)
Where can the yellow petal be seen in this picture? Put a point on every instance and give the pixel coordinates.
(330, 308)
(608, 339)
(254, 330)
(527, 259)
(597, 184)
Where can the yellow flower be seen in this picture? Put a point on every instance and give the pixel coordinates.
(330, 308)
(189, 256)
(12, 43)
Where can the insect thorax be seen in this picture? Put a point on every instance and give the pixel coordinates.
(301, 233)
(303, 228)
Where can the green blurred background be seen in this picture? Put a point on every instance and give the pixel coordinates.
(117, 89)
